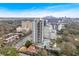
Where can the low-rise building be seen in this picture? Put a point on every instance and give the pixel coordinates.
(23, 49)
(30, 49)
(11, 38)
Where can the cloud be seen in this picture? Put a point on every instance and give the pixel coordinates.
(39, 13)
(68, 13)
(56, 6)
(60, 6)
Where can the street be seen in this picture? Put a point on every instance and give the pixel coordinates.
(22, 41)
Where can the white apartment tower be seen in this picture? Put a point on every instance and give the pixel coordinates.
(38, 25)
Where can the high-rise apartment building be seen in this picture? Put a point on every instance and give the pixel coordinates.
(38, 25)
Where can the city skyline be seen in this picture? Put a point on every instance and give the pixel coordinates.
(39, 9)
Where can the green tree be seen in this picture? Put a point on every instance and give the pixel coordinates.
(42, 52)
(9, 51)
(59, 40)
(68, 49)
(28, 43)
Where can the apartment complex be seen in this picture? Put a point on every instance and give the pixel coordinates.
(38, 25)
(27, 24)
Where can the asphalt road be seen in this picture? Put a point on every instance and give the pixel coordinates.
(22, 41)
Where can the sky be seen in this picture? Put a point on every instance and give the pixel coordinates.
(39, 9)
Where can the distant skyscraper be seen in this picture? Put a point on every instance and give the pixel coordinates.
(38, 25)
(45, 22)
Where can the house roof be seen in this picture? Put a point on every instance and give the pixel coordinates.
(32, 49)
